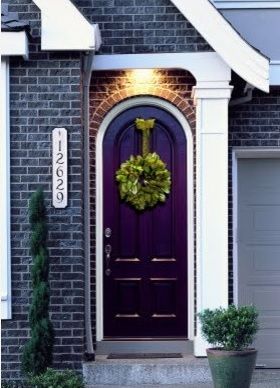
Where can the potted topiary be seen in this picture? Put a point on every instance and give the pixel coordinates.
(231, 330)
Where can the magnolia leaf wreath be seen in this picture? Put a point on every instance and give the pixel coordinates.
(144, 180)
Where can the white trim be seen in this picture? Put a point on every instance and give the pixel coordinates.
(243, 153)
(136, 101)
(14, 43)
(246, 4)
(234, 174)
(246, 61)
(211, 202)
(65, 28)
(5, 249)
(207, 67)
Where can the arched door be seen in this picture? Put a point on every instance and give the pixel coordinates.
(145, 290)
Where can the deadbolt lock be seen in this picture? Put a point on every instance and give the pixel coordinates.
(108, 232)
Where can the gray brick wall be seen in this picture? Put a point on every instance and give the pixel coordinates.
(45, 93)
(142, 26)
(254, 124)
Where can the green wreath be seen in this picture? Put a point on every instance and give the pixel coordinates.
(144, 180)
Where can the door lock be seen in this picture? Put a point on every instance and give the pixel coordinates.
(108, 232)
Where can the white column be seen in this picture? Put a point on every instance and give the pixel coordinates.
(5, 261)
(211, 198)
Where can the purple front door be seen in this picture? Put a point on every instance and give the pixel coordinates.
(145, 289)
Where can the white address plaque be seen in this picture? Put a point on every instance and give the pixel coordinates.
(59, 168)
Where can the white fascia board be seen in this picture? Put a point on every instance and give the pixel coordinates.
(247, 62)
(65, 28)
(246, 4)
(5, 247)
(14, 43)
(206, 67)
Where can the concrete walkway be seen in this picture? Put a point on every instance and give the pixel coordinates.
(261, 379)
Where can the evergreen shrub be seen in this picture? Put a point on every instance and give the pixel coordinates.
(231, 328)
(54, 379)
(37, 352)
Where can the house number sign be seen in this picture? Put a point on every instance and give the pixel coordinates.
(59, 172)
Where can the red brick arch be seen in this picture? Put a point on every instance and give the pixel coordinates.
(102, 110)
(102, 101)
(111, 88)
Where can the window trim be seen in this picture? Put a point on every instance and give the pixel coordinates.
(246, 4)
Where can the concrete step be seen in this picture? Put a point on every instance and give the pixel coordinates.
(265, 378)
(186, 370)
(174, 346)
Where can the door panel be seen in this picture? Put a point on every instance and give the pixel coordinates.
(259, 250)
(145, 294)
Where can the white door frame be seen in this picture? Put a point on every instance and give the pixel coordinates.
(243, 153)
(133, 102)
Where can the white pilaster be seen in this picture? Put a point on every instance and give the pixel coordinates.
(211, 198)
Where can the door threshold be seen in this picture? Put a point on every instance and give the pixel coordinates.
(183, 346)
(145, 339)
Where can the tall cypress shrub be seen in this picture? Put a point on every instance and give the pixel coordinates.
(37, 353)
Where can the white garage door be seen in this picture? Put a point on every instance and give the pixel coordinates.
(259, 250)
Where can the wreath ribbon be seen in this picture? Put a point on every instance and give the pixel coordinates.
(144, 180)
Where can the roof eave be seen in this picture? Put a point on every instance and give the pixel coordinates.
(246, 61)
(64, 28)
(14, 43)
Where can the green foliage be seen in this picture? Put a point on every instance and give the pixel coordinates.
(143, 181)
(38, 237)
(41, 270)
(11, 384)
(37, 209)
(233, 328)
(37, 352)
(54, 379)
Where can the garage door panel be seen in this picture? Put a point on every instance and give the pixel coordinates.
(266, 218)
(261, 225)
(261, 344)
(264, 262)
(260, 196)
(267, 299)
(262, 265)
(269, 321)
(259, 250)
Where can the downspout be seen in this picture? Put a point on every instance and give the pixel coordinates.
(248, 90)
(86, 72)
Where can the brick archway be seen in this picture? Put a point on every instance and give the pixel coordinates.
(105, 106)
(110, 88)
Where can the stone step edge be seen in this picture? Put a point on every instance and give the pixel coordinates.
(140, 374)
